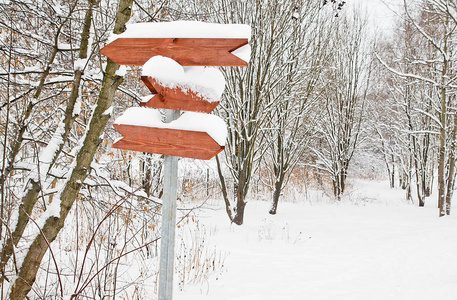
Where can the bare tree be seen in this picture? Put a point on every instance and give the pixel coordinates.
(288, 127)
(434, 22)
(250, 92)
(345, 91)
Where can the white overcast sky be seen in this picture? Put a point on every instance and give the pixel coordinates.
(379, 11)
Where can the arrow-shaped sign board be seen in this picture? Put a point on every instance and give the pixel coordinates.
(176, 98)
(192, 135)
(185, 51)
(188, 43)
(173, 142)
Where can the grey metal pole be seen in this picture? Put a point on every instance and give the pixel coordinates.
(167, 240)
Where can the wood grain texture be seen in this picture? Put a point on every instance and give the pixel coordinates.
(182, 143)
(176, 98)
(185, 51)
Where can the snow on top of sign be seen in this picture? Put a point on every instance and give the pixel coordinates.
(207, 82)
(140, 116)
(190, 121)
(185, 29)
(243, 52)
(165, 70)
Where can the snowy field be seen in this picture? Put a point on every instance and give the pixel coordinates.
(374, 245)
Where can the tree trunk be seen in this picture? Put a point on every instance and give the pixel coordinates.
(240, 205)
(427, 192)
(146, 167)
(442, 136)
(52, 226)
(419, 186)
(420, 196)
(441, 183)
(240, 200)
(276, 195)
(408, 192)
(389, 175)
(339, 183)
(343, 178)
(8, 163)
(429, 177)
(30, 198)
(392, 174)
(450, 188)
(28, 203)
(442, 155)
(451, 174)
(336, 188)
(404, 180)
(228, 208)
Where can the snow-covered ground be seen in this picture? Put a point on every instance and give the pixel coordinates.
(374, 245)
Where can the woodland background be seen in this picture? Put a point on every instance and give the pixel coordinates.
(323, 100)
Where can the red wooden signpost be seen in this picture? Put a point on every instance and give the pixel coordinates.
(173, 142)
(185, 51)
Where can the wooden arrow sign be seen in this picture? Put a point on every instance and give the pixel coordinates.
(176, 98)
(185, 51)
(182, 143)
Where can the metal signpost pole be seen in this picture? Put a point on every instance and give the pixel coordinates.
(167, 240)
